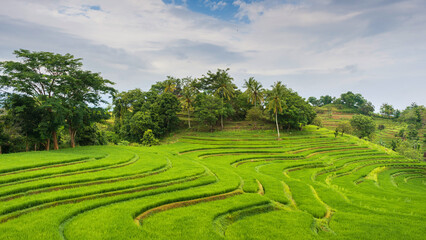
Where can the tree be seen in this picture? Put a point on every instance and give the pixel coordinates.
(171, 84)
(164, 111)
(297, 112)
(413, 115)
(344, 127)
(324, 100)
(387, 110)
(138, 111)
(24, 114)
(254, 90)
(366, 108)
(314, 101)
(363, 126)
(80, 91)
(188, 97)
(239, 105)
(207, 109)
(220, 84)
(275, 102)
(51, 80)
(351, 100)
(3, 136)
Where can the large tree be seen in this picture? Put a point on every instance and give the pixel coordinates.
(81, 91)
(363, 126)
(207, 109)
(56, 83)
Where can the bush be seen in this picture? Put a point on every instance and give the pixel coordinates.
(149, 138)
(381, 127)
(317, 121)
(410, 149)
(254, 114)
(124, 143)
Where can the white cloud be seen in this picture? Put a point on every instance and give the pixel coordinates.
(213, 5)
(316, 46)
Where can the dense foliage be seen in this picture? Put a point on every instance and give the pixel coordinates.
(363, 126)
(136, 111)
(46, 92)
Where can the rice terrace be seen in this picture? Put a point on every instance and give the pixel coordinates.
(212, 119)
(230, 184)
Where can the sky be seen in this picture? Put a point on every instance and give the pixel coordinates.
(316, 47)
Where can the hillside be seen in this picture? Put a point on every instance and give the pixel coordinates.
(332, 116)
(233, 184)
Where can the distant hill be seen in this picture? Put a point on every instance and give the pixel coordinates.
(332, 115)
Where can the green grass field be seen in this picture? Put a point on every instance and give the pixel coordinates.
(234, 184)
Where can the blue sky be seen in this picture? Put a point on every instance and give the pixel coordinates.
(317, 47)
(222, 9)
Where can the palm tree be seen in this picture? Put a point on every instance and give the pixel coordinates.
(187, 97)
(224, 88)
(254, 90)
(170, 84)
(275, 102)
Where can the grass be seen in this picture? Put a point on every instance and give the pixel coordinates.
(232, 184)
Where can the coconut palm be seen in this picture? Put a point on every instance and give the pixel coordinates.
(275, 101)
(187, 97)
(170, 84)
(254, 90)
(223, 88)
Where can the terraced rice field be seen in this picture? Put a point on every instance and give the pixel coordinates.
(223, 185)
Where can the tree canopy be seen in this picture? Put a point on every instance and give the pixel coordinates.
(61, 92)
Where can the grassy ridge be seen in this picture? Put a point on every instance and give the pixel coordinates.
(231, 184)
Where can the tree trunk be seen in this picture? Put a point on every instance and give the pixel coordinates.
(55, 140)
(72, 136)
(189, 119)
(221, 116)
(35, 147)
(221, 121)
(276, 121)
(27, 147)
(48, 144)
(0, 150)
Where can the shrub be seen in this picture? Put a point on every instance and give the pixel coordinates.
(124, 143)
(149, 138)
(254, 114)
(317, 121)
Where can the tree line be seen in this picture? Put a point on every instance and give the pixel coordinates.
(49, 99)
(211, 99)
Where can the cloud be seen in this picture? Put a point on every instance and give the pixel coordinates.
(317, 47)
(215, 5)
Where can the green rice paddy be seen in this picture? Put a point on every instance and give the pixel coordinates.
(223, 185)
